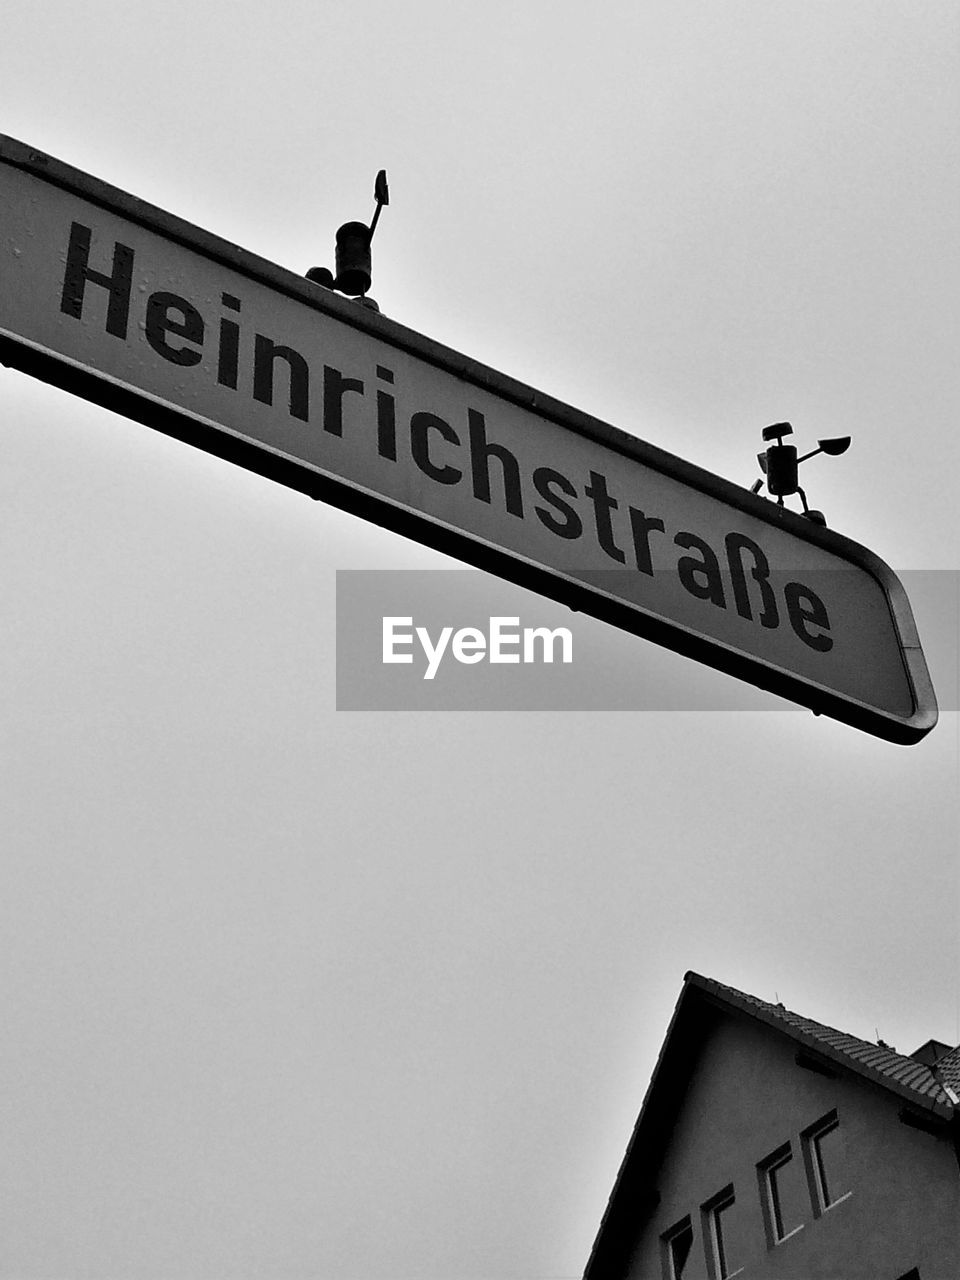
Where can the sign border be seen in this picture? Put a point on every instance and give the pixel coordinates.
(101, 389)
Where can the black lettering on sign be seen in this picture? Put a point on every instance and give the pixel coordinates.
(797, 597)
(266, 353)
(481, 451)
(228, 358)
(386, 417)
(545, 480)
(335, 387)
(603, 504)
(175, 330)
(641, 525)
(118, 284)
(420, 424)
(160, 323)
(736, 544)
(702, 578)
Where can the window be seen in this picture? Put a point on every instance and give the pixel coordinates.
(781, 1192)
(716, 1222)
(677, 1243)
(823, 1150)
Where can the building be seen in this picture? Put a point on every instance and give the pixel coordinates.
(770, 1145)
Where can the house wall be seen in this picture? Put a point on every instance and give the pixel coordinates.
(747, 1097)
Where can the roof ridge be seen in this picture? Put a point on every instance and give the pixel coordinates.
(878, 1060)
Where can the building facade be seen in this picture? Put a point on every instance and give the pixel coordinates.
(772, 1146)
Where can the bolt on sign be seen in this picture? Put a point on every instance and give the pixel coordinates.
(136, 310)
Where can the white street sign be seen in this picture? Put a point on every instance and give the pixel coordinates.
(137, 310)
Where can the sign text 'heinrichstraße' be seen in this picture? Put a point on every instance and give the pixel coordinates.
(132, 308)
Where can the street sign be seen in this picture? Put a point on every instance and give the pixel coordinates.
(136, 310)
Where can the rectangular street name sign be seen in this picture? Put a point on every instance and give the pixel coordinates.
(136, 310)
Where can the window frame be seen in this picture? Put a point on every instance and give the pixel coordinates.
(770, 1199)
(821, 1196)
(713, 1233)
(667, 1241)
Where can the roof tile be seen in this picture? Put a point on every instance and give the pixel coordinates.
(885, 1063)
(948, 1069)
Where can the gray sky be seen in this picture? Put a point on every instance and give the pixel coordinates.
(356, 996)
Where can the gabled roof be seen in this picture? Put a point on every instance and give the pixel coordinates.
(933, 1090)
(930, 1051)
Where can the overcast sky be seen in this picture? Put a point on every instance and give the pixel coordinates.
(292, 992)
